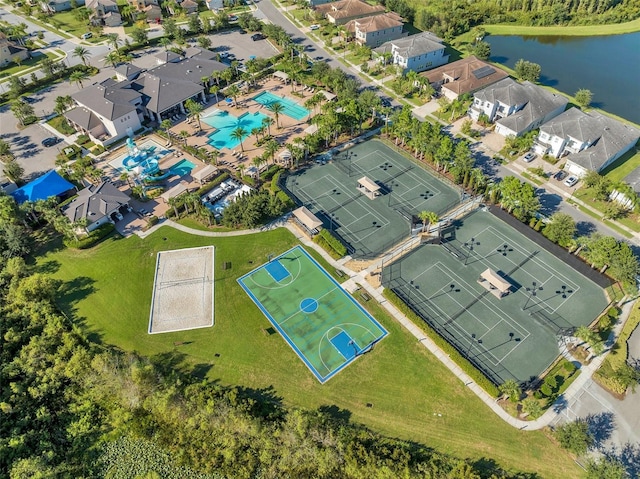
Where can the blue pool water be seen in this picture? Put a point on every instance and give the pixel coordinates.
(183, 167)
(291, 108)
(225, 123)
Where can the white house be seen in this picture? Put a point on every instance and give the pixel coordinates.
(417, 52)
(9, 50)
(54, 6)
(374, 31)
(589, 141)
(516, 108)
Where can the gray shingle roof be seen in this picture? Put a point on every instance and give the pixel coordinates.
(95, 202)
(127, 69)
(162, 93)
(108, 100)
(413, 45)
(83, 117)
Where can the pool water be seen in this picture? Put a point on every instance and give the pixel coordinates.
(158, 152)
(183, 167)
(291, 108)
(225, 123)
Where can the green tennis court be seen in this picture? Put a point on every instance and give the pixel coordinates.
(370, 226)
(516, 336)
(323, 324)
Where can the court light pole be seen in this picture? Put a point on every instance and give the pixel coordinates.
(533, 291)
(469, 246)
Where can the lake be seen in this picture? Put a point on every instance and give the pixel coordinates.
(609, 66)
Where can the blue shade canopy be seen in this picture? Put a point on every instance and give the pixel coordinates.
(47, 185)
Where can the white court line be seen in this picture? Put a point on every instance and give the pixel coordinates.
(300, 310)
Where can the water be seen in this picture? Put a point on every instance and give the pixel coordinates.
(158, 152)
(225, 123)
(291, 108)
(183, 167)
(609, 66)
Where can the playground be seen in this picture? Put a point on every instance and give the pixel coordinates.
(370, 224)
(323, 324)
(503, 301)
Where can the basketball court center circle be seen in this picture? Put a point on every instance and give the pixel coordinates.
(308, 305)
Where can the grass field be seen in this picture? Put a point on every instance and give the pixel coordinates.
(578, 30)
(406, 385)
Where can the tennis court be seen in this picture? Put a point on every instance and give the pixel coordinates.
(370, 226)
(323, 324)
(516, 336)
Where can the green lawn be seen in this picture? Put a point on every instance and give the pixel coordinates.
(108, 292)
(579, 30)
(623, 165)
(25, 65)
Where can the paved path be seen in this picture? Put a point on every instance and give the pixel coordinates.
(359, 280)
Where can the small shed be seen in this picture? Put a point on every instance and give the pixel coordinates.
(327, 95)
(307, 220)
(370, 189)
(495, 284)
(202, 175)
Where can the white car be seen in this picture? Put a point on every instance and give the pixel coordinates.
(315, 26)
(572, 180)
(232, 18)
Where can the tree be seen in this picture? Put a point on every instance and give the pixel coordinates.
(276, 108)
(583, 98)
(5, 150)
(527, 71)
(267, 122)
(233, 91)
(140, 36)
(482, 50)
(238, 134)
(165, 42)
(428, 218)
(214, 91)
(22, 110)
(194, 23)
(184, 134)
(77, 78)
(166, 125)
(560, 229)
(112, 58)
(574, 436)
(271, 148)
(13, 171)
(532, 407)
(170, 27)
(512, 389)
(204, 42)
(82, 53)
(605, 468)
(113, 39)
(195, 109)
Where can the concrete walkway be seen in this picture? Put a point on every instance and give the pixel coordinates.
(358, 280)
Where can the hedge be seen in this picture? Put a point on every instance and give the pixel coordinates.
(94, 237)
(270, 173)
(474, 373)
(213, 183)
(330, 243)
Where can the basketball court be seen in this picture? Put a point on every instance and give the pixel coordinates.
(510, 335)
(371, 223)
(321, 322)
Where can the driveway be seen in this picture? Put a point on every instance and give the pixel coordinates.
(614, 424)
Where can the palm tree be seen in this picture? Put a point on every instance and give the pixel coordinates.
(112, 58)
(195, 110)
(268, 121)
(165, 125)
(239, 134)
(271, 148)
(233, 91)
(127, 12)
(184, 134)
(82, 53)
(125, 177)
(77, 78)
(213, 156)
(256, 132)
(512, 389)
(165, 42)
(276, 108)
(428, 218)
(214, 91)
(114, 40)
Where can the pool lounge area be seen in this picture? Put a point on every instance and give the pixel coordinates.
(291, 108)
(226, 192)
(156, 151)
(224, 123)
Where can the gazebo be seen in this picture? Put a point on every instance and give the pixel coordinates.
(370, 189)
(202, 175)
(281, 75)
(175, 191)
(496, 285)
(305, 218)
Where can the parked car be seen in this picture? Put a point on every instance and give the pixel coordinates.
(51, 141)
(232, 18)
(560, 175)
(529, 157)
(315, 26)
(572, 180)
(116, 216)
(257, 36)
(86, 36)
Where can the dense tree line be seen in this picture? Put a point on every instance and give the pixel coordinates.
(450, 18)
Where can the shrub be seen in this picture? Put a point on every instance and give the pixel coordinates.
(93, 238)
(538, 395)
(551, 381)
(569, 367)
(545, 389)
(267, 175)
(98, 150)
(475, 374)
(331, 244)
(532, 222)
(82, 139)
(153, 220)
(213, 183)
(539, 225)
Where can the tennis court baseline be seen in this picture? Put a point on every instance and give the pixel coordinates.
(321, 322)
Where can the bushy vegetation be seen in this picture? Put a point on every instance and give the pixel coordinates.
(252, 209)
(330, 244)
(92, 238)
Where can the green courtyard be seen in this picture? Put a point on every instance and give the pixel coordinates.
(107, 292)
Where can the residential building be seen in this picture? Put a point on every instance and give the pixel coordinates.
(215, 5)
(187, 6)
(374, 31)
(97, 205)
(150, 8)
(9, 50)
(343, 11)
(589, 141)
(516, 108)
(111, 110)
(463, 76)
(104, 12)
(417, 52)
(54, 6)
(315, 3)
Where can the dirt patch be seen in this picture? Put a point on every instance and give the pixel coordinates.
(358, 265)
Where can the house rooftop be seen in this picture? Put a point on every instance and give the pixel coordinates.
(413, 45)
(95, 202)
(466, 75)
(349, 9)
(108, 99)
(127, 70)
(375, 23)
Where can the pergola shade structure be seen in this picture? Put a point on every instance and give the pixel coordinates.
(496, 285)
(369, 188)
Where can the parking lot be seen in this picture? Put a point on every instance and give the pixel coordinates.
(241, 45)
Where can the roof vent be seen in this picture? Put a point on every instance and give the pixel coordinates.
(188, 71)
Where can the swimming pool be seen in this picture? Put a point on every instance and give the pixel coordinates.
(181, 168)
(158, 152)
(291, 108)
(225, 123)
